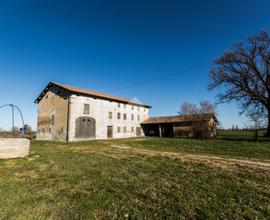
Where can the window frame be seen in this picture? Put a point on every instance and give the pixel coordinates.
(86, 111)
(110, 115)
(52, 119)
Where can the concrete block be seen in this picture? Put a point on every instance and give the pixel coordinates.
(14, 147)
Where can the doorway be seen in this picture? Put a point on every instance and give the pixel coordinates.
(109, 131)
(85, 127)
(138, 132)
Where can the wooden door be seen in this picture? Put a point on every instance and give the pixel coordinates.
(109, 131)
(138, 132)
(85, 127)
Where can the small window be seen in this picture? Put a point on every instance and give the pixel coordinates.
(110, 115)
(125, 116)
(138, 108)
(38, 130)
(50, 130)
(118, 115)
(52, 119)
(132, 129)
(86, 109)
(132, 117)
(144, 109)
(118, 129)
(125, 129)
(125, 105)
(46, 96)
(62, 130)
(43, 130)
(138, 117)
(132, 107)
(119, 105)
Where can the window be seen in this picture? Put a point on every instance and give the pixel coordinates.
(144, 109)
(138, 108)
(43, 130)
(52, 119)
(118, 129)
(132, 117)
(125, 105)
(86, 109)
(125, 116)
(125, 129)
(138, 117)
(38, 130)
(50, 130)
(119, 105)
(46, 96)
(132, 129)
(118, 115)
(132, 107)
(110, 115)
(62, 130)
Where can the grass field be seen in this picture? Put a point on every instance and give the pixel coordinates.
(132, 179)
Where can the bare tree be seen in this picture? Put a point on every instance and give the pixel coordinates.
(244, 74)
(188, 109)
(257, 121)
(207, 107)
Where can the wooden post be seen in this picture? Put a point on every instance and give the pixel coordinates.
(160, 131)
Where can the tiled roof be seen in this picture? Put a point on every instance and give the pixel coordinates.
(91, 93)
(179, 118)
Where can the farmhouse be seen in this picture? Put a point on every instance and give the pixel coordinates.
(67, 113)
(197, 125)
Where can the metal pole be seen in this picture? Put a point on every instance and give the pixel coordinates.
(12, 107)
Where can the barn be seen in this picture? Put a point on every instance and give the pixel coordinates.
(194, 125)
(68, 113)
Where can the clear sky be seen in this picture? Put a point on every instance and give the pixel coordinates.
(106, 45)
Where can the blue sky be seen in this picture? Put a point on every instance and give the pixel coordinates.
(106, 45)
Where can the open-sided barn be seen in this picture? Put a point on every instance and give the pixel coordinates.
(196, 125)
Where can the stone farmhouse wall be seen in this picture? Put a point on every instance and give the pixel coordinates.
(52, 117)
(99, 110)
(59, 110)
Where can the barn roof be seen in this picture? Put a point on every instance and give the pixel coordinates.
(91, 93)
(179, 118)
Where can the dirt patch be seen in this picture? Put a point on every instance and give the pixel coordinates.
(221, 162)
(120, 146)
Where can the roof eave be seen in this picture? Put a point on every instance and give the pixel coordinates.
(41, 95)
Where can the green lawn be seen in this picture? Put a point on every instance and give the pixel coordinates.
(224, 148)
(96, 180)
(242, 135)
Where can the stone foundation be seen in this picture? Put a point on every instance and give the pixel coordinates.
(14, 147)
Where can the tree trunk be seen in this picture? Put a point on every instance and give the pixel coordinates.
(268, 125)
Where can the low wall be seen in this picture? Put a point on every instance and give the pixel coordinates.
(14, 147)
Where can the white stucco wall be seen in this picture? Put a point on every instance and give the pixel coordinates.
(99, 109)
